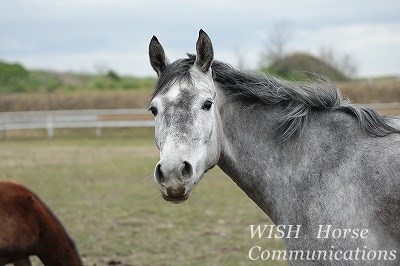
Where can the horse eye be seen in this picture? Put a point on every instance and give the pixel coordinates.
(153, 110)
(207, 105)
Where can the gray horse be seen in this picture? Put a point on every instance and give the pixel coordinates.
(304, 155)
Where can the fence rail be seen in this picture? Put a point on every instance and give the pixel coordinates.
(100, 118)
(67, 119)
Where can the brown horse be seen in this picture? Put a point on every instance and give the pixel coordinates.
(28, 227)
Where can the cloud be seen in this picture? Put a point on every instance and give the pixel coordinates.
(73, 34)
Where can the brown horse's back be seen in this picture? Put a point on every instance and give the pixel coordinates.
(19, 223)
(28, 227)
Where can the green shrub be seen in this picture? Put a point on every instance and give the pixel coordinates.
(113, 75)
(302, 67)
(11, 72)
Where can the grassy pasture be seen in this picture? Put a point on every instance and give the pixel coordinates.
(103, 192)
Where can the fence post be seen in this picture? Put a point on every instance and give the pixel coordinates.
(4, 125)
(98, 129)
(50, 126)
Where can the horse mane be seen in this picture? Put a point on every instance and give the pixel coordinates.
(297, 98)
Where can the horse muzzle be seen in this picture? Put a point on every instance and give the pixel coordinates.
(174, 178)
(175, 197)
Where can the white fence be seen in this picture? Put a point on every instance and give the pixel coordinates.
(97, 119)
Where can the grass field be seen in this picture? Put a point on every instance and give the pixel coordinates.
(103, 192)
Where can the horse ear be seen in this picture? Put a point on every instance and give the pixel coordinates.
(158, 59)
(205, 52)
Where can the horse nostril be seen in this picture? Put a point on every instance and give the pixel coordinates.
(186, 170)
(159, 174)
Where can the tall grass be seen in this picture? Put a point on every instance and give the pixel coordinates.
(375, 91)
(62, 100)
(372, 91)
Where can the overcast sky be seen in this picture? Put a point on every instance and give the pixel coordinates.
(90, 35)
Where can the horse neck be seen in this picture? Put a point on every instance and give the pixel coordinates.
(56, 247)
(251, 154)
(60, 250)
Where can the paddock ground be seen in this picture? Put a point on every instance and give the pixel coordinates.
(103, 192)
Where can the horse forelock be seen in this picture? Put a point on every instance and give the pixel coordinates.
(177, 71)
